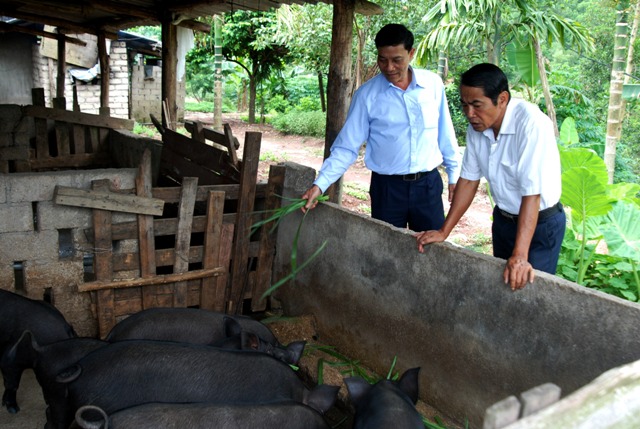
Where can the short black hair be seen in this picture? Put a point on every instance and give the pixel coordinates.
(489, 77)
(394, 34)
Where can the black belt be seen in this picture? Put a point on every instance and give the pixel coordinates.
(542, 214)
(412, 177)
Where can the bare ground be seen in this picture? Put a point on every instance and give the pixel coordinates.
(473, 230)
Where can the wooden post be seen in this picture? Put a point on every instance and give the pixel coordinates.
(246, 200)
(169, 65)
(103, 57)
(339, 80)
(146, 243)
(103, 262)
(60, 78)
(183, 237)
(212, 254)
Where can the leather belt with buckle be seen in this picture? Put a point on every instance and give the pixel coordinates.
(542, 214)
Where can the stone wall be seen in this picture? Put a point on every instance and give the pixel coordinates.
(146, 93)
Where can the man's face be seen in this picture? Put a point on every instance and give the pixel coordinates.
(480, 110)
(394, 63)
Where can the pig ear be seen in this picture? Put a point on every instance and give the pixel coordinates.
(249, 341)
(408, 383)
(231, 326)
(91, 417)
(357, 387)
(23, 350)
(69, 374)
(294, 351)
(321, 397)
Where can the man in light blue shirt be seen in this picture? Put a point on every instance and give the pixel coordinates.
(403, 117)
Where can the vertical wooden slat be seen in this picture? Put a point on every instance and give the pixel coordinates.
(78, 139)
(231, 147)
(197, 132)
(183, 237)
(146, 244)
(212, 244)
(222, 282)
(42, 140)
(103, 58)
(246, 199)
(267, 240)
(103, 262)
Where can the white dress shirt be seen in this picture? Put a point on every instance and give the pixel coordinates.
(522, 160)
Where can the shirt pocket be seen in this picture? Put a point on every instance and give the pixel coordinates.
(509, 173)
(428, 110)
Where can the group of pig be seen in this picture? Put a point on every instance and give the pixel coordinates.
(179, 368)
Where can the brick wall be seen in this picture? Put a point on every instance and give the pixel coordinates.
(129, 98)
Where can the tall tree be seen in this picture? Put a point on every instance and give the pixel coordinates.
(615, 112)
(247, 41)
(493, 23)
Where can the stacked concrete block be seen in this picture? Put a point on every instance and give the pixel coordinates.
(43, 245)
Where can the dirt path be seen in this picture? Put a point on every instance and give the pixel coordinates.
(474, 229)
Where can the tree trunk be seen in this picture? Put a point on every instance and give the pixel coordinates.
(339, 80)
(551, 110)
(632, 39)
(443, 69)
(616, 109)
(323, 103)
(217, 83)
(253, 84)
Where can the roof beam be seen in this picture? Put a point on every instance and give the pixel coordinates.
(8, 28)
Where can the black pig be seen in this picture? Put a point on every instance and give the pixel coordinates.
(387, 403)
(272, 415)
(197, 326)
(129, 373)
(19, 314)
(49, 360)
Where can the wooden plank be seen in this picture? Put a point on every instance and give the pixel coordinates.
(107, 201)
(78, 118)
(146, 244)
(199, 153)
(230, 145)
(209, 134)
(178, 167)
(71, 161)
(267, 240)
(103, 267)
(212, 244)
(222, 282)
(42, 139)
(183, 237)
(62, 139)
(231, 192)
(161, 279)
(249, 175)
(78, 139)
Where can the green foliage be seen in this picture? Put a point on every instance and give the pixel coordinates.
(147, 131)
(301, 123)
(599, 211)
(356, 190)
(150, 32)
(277, 104)
(460, 123)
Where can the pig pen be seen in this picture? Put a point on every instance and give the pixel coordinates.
(374, 297)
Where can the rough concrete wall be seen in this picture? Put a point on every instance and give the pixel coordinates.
(45, 242)
(15, 88)
(447, 311)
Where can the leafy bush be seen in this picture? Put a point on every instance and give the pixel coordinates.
(301, 123)
(458, 118)
(277, 103)
(203, 106)
(308, 104)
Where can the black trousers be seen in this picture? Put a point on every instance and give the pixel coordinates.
(545, 243)
(408, 200)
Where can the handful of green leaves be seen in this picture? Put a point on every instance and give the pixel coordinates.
(276, 216)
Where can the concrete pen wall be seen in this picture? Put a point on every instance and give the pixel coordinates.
(447, 311)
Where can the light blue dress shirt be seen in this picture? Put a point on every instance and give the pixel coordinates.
(406, 131)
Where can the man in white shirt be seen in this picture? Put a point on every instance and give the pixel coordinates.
(511, 143)
(403, 116)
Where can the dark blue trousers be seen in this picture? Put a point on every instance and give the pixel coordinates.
(545, 243)
(403, 202)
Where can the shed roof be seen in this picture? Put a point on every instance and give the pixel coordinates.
(109, 16)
